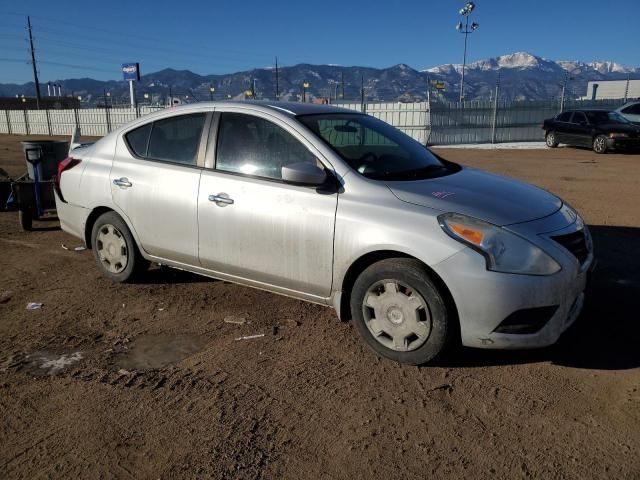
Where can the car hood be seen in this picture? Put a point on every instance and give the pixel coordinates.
(492, 198)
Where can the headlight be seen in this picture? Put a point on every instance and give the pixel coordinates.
(504, 251)
(618, 135)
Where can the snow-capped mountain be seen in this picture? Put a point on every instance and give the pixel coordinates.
(522, 76)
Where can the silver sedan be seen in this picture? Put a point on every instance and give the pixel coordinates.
(338, 208)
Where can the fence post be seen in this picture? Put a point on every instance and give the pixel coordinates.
(6, 114)
(495, 117)
(106, 112)
(48, 121)
(26, 121)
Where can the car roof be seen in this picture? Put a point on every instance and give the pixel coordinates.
(587, 110)
(290, 108)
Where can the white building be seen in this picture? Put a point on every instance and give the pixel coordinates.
(612, 89)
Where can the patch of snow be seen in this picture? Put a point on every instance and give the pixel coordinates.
(52, 364)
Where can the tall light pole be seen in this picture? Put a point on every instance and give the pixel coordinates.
(564, 84)
(466, 29)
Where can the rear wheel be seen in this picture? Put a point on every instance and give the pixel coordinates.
(115, 249)
(600, 144)
(400, 313)
(550, 140)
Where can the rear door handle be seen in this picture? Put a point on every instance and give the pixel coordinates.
(221, 199)
(122, 182)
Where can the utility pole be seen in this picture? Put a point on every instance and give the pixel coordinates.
(342, 81)
(626, 89)
(253, 89)
(277, 82)
(33, 64)
(362, 93)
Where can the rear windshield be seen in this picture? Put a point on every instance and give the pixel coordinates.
(374, 148)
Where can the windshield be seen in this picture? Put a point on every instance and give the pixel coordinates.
(596, 117)
(374, 148)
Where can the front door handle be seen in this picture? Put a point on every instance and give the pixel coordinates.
(221, 199)
(122, 182)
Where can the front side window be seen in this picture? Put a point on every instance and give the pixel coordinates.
(374, 148)
(633, 109)
(599, 117)
(578, 117)
(176, 139)
(255, 146)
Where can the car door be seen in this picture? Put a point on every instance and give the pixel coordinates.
(252, 224)
(580, 129)
(154, 182)
(562, 127)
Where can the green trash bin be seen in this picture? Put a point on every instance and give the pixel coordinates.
(45, 156)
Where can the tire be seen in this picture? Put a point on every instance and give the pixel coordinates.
(600, 144)
(550, 140)
(115, 249)
(409, 323)
(26, 220)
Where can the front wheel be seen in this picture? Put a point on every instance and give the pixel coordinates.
(550, 140)
(115, 249)
(600, 144)
(400, 313)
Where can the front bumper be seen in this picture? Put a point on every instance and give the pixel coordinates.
(623, 143)
(484, 298)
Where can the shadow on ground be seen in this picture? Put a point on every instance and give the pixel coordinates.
(159, 275)
(606, 336)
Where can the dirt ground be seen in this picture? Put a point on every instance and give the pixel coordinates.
(149, 381)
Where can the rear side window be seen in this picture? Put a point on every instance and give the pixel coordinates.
(138, 139)
(176, 139)
(564, 117)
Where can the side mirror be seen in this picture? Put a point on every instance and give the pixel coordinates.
(304, 173)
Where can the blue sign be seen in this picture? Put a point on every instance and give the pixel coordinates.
(131, 71)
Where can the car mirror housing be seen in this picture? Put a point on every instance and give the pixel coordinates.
(304, 173)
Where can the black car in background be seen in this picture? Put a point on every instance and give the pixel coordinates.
(598, 129)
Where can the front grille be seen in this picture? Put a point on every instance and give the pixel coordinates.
(576, 243)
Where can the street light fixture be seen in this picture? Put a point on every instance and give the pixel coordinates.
(305, 85)
(466, 29)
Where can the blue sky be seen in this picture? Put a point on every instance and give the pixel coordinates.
(93, 38)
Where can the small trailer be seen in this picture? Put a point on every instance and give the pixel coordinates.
(32, 194)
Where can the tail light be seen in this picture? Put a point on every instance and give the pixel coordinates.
(66, 164)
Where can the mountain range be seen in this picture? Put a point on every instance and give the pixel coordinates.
(521, 76)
